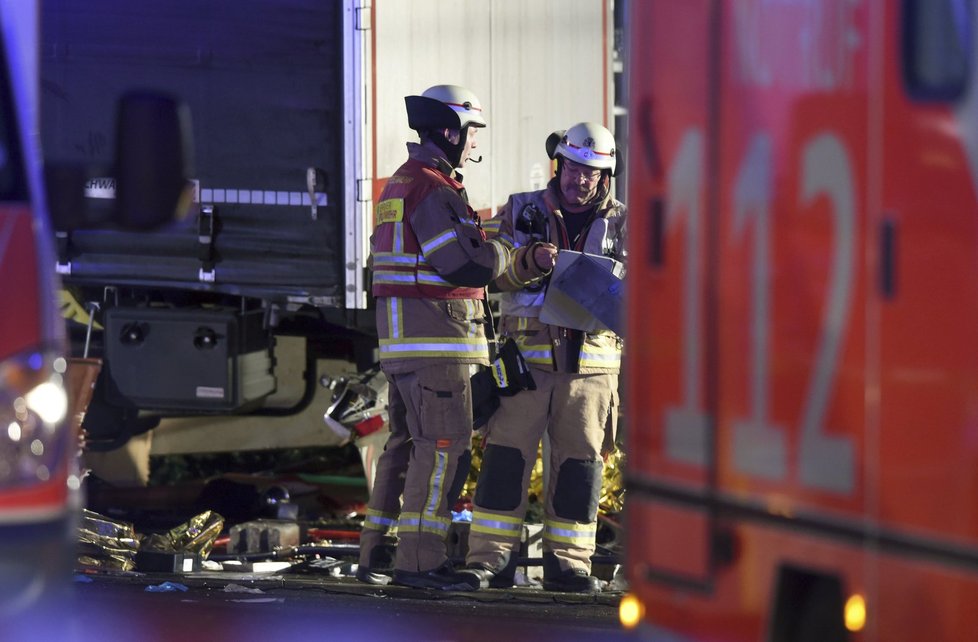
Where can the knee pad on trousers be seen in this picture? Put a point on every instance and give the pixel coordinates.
(461, 474)
(500, 485)
(578, 490)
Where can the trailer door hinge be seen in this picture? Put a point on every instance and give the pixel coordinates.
(205, 239)
(364, 190)
(63, 242)
(362, 17)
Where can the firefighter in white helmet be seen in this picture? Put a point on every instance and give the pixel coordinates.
(431, 263)
(576, 376)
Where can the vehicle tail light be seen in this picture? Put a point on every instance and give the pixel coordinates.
(33, 407)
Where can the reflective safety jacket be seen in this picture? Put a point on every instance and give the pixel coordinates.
(431, 262)
(545, 346)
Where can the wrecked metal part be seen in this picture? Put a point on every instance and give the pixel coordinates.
(305, 550)
(263, 535)
(359, 403)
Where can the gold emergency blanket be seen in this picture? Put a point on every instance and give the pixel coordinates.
(194, 536)
(105, 544)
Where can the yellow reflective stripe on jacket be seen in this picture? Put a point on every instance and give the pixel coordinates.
(444, 347)
(502, 257)
(425, 275)
(539, 354)
(509, 276)
(393, 267)
(440, 241)
(398, 240)
(569, 532)
(401, 264)
(474, 310)
(428, 276)
(506, 240)
(379, 520)
(395, 318)
(394, 258)
(593, 356)
(401, 278)
(492, 524)
(491, 227)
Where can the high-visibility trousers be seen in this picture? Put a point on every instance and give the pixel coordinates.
(577, 412)
(422, 468)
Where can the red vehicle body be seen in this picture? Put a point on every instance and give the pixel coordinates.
(38, 475)
(42, 395)
(802, 347)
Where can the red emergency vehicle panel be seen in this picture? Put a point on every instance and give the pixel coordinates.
(803, 356)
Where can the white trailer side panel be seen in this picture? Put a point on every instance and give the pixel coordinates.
(537, 66)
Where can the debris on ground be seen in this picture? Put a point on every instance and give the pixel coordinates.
(105, 544)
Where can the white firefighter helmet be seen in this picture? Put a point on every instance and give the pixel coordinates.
(461, 100)
(428, 111)
(589, 144)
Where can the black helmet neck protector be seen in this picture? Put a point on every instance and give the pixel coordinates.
(433, 117)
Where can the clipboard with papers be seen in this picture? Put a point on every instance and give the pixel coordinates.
(585, 293)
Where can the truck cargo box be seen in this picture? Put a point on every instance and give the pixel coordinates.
(264, 83)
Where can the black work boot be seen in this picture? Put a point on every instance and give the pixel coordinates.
(377, 570)
(573, 580)
(442, 578)
(376, 577)
(480, 576)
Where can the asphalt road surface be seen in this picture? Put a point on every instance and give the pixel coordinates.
(219, 607)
